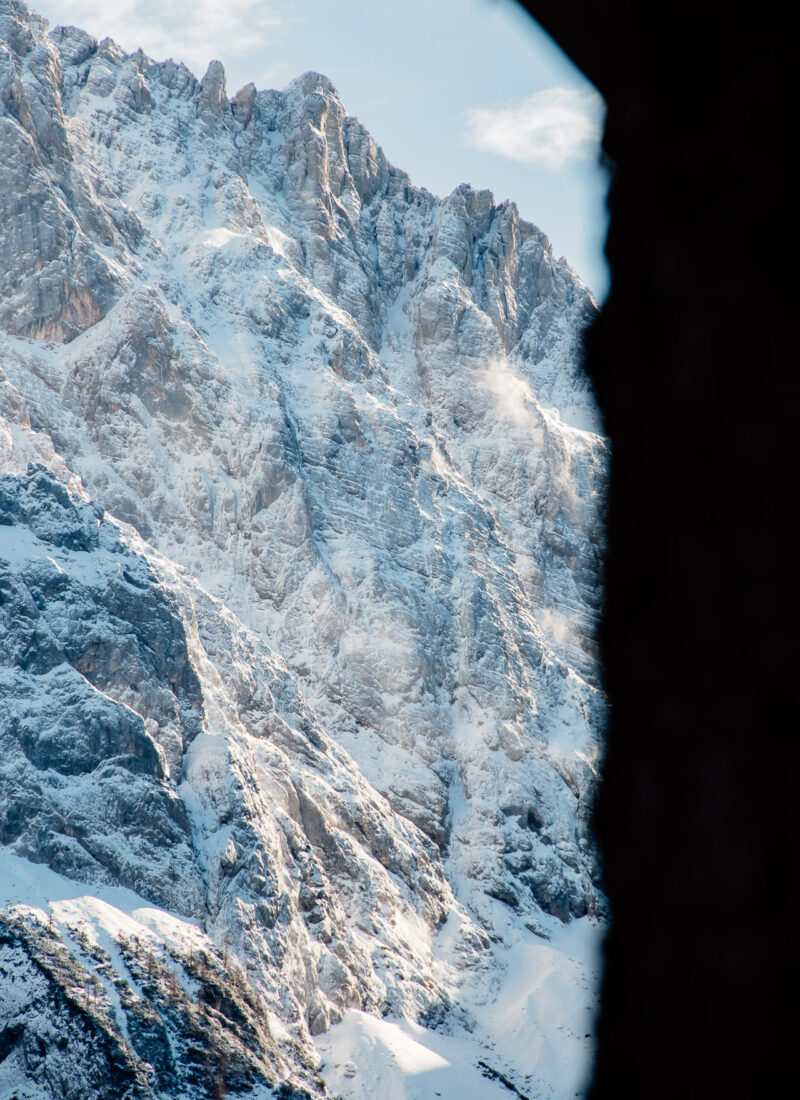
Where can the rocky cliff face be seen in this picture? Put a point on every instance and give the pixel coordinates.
(301, 532)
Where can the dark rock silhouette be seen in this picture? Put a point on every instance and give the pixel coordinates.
(692, 363)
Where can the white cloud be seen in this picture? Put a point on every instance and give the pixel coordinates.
(550, 127)
(193, 31)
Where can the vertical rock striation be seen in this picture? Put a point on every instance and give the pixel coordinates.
(303, 525)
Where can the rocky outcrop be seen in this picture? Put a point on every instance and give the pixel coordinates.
(156, 1024)
(150, 742)
(55, 281)
(353, 664)
(95, 673)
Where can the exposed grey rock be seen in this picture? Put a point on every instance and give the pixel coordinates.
(84, 787)
(211, 96)
(114, 773)
(354, 662)
(73, 1026)
(55, 1035)
(243, 102)
(73, 44)
(54, 282)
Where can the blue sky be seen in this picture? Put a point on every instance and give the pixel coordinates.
(454, 90)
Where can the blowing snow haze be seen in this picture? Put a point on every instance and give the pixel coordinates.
(300, 545)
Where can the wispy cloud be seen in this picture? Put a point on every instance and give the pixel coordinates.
(194, 31)
(551, 127)
(513, 399)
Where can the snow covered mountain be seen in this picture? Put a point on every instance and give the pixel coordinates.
(300, 542)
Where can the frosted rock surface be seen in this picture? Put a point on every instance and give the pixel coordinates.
(302, 525)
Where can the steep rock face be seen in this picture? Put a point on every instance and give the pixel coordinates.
(55, 281)
(73, 1025)
(354, 414)
(150, 741)
(84, 785)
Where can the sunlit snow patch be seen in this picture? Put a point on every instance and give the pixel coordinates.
(104, 913)
(540, 1023)
(365, 1058)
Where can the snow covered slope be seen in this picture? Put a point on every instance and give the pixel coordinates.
(301, 532)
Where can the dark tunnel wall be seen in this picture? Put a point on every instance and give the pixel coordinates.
(694, 363)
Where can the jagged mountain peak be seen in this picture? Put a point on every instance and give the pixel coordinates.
(212, 89)
(329, 638)
(313, 83)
